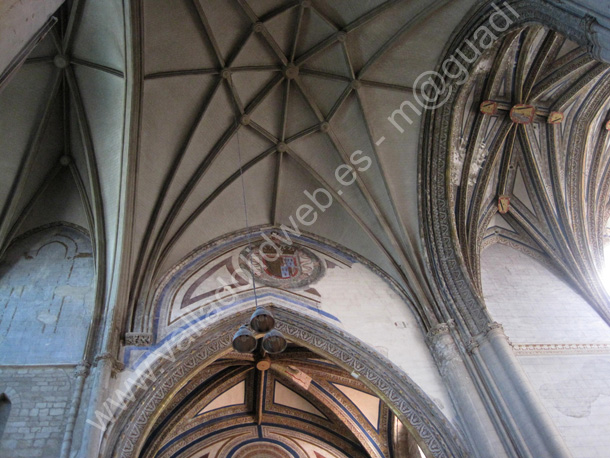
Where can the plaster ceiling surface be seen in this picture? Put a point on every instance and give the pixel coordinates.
(288, 91)
(62, 123)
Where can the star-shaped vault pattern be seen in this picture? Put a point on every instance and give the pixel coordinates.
(286, 91)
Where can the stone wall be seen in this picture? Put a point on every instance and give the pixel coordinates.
(369, 309)
(575, 389)
(40, 398)
(46, 297)
(534, 304)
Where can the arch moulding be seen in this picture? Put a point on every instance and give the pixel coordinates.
(452, 279)
(126, 435)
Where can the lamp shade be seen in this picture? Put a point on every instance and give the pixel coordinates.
(274, 342)
(244, 341)
(262, 320)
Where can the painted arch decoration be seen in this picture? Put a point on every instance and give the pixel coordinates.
(513, 176)
(300, 419)
(127, 436)
(186, 302)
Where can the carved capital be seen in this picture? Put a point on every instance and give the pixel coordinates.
(493, 329)
(82, 370)
(494, 326)
(497, 329)
(115, 365)
(437, 330)
(138, 339)
(472, 345)
(440, 329)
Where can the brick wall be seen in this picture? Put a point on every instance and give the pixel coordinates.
(46, 298)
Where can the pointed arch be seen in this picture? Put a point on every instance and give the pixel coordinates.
(453, 236)
(126, 435)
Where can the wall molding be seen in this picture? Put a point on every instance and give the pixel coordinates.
(542, 349)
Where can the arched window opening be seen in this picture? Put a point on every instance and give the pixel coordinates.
(5, 410)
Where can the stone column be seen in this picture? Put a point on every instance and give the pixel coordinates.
(525, 419)
(478, 428)
(81, 372)
(106, 367)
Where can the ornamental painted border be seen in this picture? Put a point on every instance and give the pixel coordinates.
(126, 435)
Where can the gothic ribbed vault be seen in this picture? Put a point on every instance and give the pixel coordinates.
(161, 139)
(289, 90)
(556, 175)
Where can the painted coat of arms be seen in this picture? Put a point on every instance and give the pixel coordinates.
(281, 265)
(503, 204)
(522, 114)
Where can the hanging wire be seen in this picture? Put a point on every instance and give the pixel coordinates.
(243, 190)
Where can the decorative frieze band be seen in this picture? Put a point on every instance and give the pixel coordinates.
(561, 349)
(138, 339)
(128, 432)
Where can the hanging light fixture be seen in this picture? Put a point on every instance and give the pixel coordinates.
(244, 341)
(262, 320)
(274, 342)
